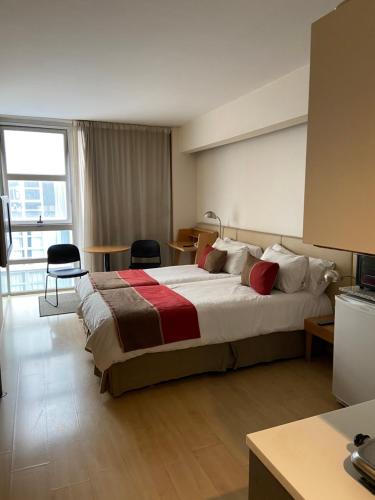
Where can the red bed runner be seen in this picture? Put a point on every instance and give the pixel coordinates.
(121, 279)
(148, 316)
(137, 277)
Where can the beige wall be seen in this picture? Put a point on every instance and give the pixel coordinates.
(277, 105)
(257, 183)
(183, 185)
(248, 161)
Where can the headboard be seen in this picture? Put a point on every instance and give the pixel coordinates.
(344, 260)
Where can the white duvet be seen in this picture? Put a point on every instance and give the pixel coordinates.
(227, 311)
(164, 275)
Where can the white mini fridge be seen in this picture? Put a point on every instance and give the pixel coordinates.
(354, 351)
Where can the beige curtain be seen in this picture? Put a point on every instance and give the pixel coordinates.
(123, 179)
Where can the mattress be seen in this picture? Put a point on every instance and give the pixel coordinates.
(227, 311)
(164, 275)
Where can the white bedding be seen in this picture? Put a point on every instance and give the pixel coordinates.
(164, 275)
(227, 311)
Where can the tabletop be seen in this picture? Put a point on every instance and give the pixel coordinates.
(106, 249)
(183, 246)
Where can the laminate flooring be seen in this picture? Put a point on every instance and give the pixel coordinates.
(182, 440)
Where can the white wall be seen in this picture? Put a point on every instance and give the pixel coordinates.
(257, 183)
(280, 104)
(248, 161)
(183, 185)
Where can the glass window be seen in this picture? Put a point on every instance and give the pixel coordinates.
(32, 194)
(31, 277)
(36, 174)
(4, 281)
(34, 244)
(34, 152)
(47, 198)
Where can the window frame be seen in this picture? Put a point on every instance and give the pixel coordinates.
(28, 226)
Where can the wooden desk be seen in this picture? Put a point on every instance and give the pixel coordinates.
(312, 328)
(107, 250)
(181, 247)
(309, 459)
(191, 241)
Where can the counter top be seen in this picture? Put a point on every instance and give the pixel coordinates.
(311, 458)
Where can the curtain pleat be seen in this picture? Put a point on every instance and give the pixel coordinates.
(125, 174)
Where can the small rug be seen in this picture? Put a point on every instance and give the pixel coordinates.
(68, 303)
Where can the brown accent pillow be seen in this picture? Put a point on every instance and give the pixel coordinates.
(212, 260)
(259, 274)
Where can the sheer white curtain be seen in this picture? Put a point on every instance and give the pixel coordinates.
(122, 187)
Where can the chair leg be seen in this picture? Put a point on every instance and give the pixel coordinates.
(57, 296)
(45, 289)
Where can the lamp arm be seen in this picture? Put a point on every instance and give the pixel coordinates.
(220, 235)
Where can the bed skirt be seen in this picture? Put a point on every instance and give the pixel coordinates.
(150, 369)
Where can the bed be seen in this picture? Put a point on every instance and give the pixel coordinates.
(238, 327)
(163, 275)
(225, 343)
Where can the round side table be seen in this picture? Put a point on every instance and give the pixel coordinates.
(106, 250)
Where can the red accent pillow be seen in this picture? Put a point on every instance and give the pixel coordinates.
(212, 260)
(259, 274)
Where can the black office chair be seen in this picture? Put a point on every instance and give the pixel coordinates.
(145, 249)
(62, 254)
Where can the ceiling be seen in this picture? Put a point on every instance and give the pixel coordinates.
(146, 61)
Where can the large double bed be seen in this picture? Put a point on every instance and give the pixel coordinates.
(237, 327)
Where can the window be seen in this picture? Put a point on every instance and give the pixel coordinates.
(34, 244)
(37, 182)
(31, 199)
(36, 171)
(35, 152)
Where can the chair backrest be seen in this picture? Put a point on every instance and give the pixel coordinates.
(145, 249)
(63, 254)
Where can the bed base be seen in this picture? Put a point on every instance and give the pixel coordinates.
(153, 368)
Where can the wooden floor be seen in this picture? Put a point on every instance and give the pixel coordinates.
(61, 439)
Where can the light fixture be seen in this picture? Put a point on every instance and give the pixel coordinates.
(332, 276)
(211, 215)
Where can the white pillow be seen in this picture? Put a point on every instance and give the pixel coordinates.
(285, 251)
(254, 250)
(236, 256)
(292, 273)
(318, 267)
(315, 283)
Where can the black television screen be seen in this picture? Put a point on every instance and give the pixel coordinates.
(5, 231)
(365, 275)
